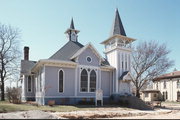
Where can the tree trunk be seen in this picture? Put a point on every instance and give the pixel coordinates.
(2, 90)
(137, 93)
(2, 82)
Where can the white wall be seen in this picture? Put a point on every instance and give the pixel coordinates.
(171, 88)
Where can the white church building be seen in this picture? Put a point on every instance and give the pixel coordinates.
(76, 71)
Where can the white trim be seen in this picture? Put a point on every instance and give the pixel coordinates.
(118, 36)
(100, 80)
(27, 96)
(34, 84)
(44, 85)
(110, 83)
(75, 85)
(88, 72)
(54, 63)
(72, 96)
(84, 48)
(117, 82)
(95, 70)
(63, 80)
(113, 75)
(86, 67)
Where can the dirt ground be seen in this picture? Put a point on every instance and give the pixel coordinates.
(167, 111)
(171, 111)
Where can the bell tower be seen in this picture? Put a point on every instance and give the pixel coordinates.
(72, 32)
(118, 53)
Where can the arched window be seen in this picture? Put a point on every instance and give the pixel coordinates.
(29, 84)
(84, 81)
(61, 78)
(92, 81)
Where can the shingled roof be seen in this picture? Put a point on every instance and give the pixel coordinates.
(67, 51)
(123, 74)
(26, 66)
(175, 74)
(117, 27)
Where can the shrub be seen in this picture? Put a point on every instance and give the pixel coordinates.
(51, 102)
(14, 95)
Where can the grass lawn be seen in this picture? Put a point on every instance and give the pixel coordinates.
(9, 107)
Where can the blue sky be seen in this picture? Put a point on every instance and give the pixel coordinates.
(43, 22)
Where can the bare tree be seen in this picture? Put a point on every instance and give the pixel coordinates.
(9, 54)
(149, 60)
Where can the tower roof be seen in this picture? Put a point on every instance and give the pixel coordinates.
(72, 24)
(72, 28)
(117, 27)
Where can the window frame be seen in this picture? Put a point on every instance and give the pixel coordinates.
(87, 59)
(88, 70)
(81, 81)
(146, 94)
(90, 80)
(62, 80)
(28, 84)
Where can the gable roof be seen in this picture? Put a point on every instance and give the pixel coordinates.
(123, 74)
(84, 48)
(26, 66)
(175, 74)
(126, 76)
(67, 51)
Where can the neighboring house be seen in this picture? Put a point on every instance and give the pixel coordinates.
(150, 95)
(76, 71)
(166, 86)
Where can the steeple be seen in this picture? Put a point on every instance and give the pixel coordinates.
(72, 32)
(117, 27)
(72, 24)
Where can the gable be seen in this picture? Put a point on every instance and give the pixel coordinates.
(84, 48)
(88, 57)
(88, 50)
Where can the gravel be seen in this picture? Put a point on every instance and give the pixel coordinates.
(33, 114)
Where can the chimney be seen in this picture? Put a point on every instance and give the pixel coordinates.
(26, 53)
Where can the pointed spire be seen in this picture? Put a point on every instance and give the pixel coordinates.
(72, 24)
(117, 27)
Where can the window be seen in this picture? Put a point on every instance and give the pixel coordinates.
(178, 96)
(61, 77)
(155, 95)
(125, 61)
(157, 85)
(146, 95)
(122, 61)
(29, 84)
(165, 95)
(89, 59)
(92, 81)
(164, 84)
(178, 83)
(84, 81)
